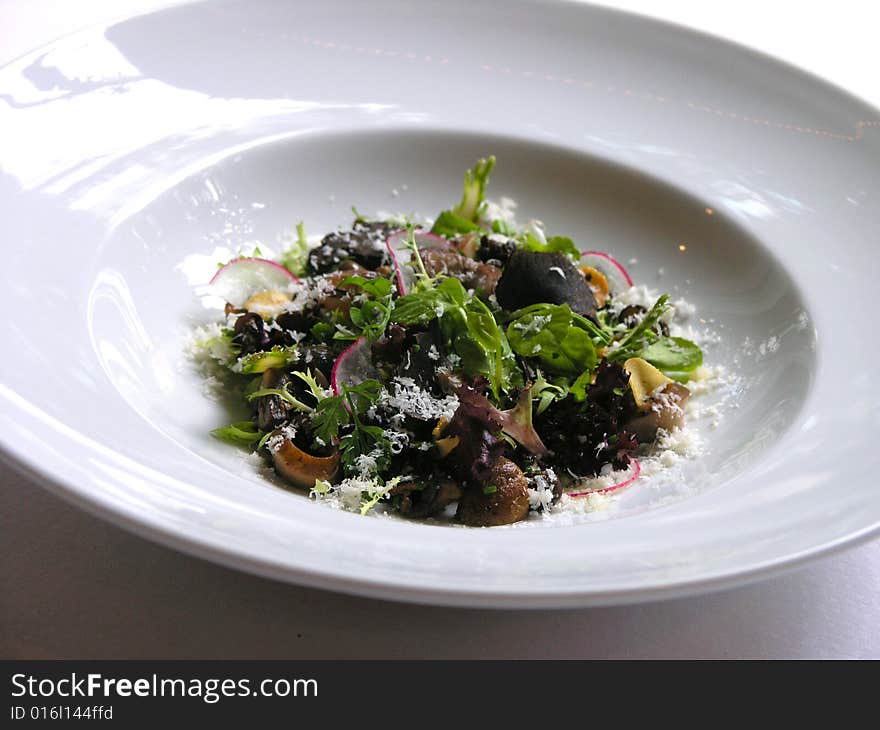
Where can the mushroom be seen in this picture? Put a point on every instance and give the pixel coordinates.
(472, 274)
(302, 469)
(531, 277)
(659, 401)
(419, 500)
(502, 500)
(269, 303)
(271, 410)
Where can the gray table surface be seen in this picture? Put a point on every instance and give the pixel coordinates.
(73, 586)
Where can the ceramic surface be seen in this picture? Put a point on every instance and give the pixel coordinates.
(130, 153)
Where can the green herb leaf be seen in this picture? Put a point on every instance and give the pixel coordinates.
(449, 224)
(330, 416)
(363, 439)
(546, 392)
(260, 362)
(282, 393)
(673, 354)
(377, 492)
(503, 227)
(555, 244)
(579, 387)
(295, 259)
(321, 489)
(642, 334)
(240, 433)
(314, 388)
(545, 332)
(372, 317)
(475, 182)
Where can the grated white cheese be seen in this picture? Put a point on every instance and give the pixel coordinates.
(276, 440)
(406, 398)
(305, 295)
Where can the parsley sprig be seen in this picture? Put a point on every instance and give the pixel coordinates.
(337, 414)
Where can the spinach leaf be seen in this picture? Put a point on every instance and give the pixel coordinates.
(546, 333)
(673, 355)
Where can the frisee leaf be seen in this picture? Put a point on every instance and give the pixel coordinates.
(295, 258)
(475, 182)
(282, 393)
(370, 498)
(314, 388)
(321, 489)
(465, 216)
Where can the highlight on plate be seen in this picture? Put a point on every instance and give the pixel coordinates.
(468, 369)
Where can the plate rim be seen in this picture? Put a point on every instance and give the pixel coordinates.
(215, 552)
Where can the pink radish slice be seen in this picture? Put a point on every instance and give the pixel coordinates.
(401, 255)
(618, 278)
(637, 469)
(240, 279)
(354, 365)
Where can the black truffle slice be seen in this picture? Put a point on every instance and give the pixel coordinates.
(531, 277)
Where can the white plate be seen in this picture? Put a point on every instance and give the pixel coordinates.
(129, 147)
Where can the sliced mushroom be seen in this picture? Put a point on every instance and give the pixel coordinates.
(659, 401)
(644, 381)
(302, 469)
(271, 410)
(268, 304)
(502, 500)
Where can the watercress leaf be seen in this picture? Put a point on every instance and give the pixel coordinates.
(673, 354)
(322, 331)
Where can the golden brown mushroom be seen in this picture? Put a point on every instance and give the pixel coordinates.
(503, 500)
(659, 400)
(302, 469)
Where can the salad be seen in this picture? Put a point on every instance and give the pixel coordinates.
(473, 369)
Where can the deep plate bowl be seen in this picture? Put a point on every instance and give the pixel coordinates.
(131, 150)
